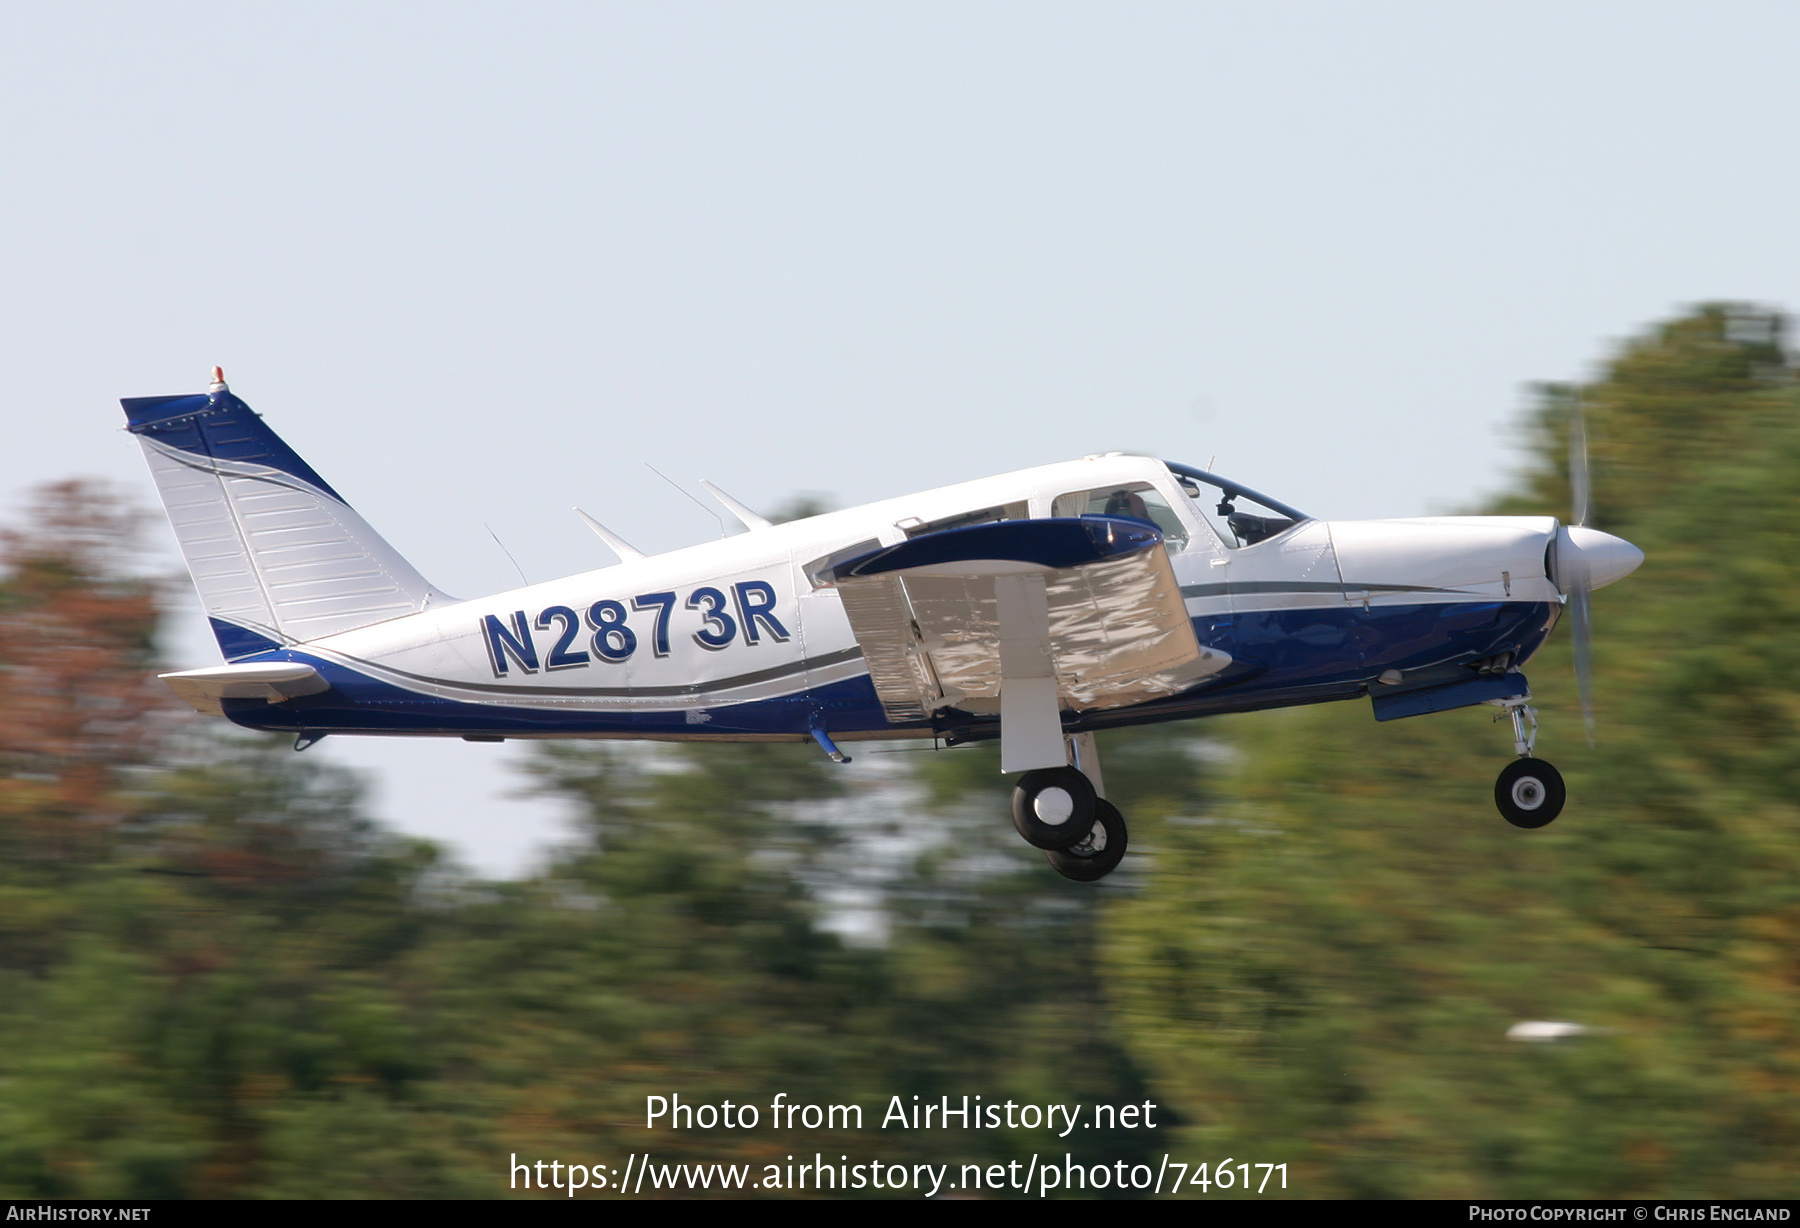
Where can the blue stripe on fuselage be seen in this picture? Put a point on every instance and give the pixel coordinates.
(1280, 657)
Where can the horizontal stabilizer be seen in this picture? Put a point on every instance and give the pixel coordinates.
(273, 681)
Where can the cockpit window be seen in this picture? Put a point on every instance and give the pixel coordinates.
(1132, 500)
(1240, 515)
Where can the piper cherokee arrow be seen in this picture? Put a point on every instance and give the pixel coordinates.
(1034, 608)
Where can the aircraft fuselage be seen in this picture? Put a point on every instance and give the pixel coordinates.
(736, 639)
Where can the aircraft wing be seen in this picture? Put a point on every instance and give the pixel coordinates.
(272, 681)
(1088, 606)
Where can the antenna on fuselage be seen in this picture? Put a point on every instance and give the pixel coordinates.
(751, 520)
(671, 481)
(618, 545)
(508, 554)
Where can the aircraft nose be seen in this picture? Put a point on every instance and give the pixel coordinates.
(1598, 557)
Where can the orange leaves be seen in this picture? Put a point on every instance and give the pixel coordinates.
(79, 699)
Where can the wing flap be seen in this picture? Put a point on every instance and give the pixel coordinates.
(881, 619)
(927, 615)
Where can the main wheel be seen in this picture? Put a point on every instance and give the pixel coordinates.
(1053, 807)
(1098, 853)
(1529, 793)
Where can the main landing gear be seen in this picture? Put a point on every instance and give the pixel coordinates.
(1060, 810)
(1530, 792)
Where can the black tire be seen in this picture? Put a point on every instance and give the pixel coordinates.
(1530, 793)
(1053, 807)
(1099, 852)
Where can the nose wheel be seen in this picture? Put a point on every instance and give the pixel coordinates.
(1529, 793)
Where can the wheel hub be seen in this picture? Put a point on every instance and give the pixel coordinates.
(1053, 806)
(1528, 793)
(1092, 844)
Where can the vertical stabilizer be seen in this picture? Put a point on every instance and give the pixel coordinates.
(276, 553)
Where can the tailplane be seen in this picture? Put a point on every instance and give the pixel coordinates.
(278, 556)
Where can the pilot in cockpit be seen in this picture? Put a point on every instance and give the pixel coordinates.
(1127, 503)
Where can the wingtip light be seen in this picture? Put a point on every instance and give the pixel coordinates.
(218, 381)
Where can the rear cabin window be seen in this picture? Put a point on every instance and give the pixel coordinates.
(817, 570)
(964, 520)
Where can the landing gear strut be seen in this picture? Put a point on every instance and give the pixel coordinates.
(1530, 792)
(1060, 810)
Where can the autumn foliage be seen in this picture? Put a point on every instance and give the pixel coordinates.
(79, 700)
(219, 978)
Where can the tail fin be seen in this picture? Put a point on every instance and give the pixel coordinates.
(277, 555)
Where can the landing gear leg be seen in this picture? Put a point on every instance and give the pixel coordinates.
(1529, 793)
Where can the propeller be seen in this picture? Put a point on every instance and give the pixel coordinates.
(1581, 579)
(1583, 560)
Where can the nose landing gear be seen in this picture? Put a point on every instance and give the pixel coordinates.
(1530, 792)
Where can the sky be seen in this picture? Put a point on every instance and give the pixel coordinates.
(481, 263)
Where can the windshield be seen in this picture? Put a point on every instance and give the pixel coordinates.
(1239, 515)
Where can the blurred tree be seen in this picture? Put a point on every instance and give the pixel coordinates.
(678, 949)
(198, 934)
(1324, 974)
(218, 978)
(79, 704)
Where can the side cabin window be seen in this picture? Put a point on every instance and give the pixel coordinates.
(964, 520)
(1130, 500)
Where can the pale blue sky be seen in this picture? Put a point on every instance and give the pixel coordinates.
(479, 263)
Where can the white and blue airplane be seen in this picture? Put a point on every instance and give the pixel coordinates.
(1034, 608)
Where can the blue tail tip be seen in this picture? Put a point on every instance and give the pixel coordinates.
(144, 411)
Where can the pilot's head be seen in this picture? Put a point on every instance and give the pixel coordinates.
(1127, 503)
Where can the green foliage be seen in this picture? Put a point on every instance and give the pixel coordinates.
(217, 978)
(1325, 975)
